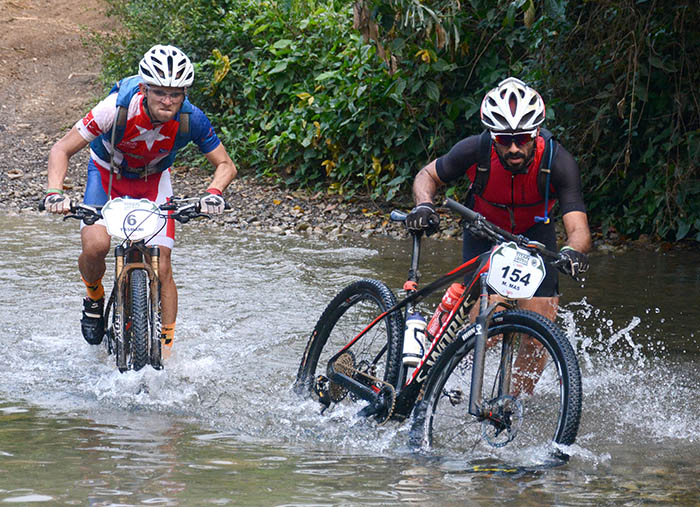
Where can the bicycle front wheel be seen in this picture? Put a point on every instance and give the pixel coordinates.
(531, 394)
(375, 355)
(139, 328)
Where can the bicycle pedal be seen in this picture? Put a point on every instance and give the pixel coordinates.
(322, 391)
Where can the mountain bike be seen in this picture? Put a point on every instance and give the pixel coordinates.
(133, 334)
(509, 378)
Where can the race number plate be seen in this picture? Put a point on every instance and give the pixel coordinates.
(132, 219)
(515, 273)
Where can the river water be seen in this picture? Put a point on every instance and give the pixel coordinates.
(220, 424)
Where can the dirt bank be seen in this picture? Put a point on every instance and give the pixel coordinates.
(50, 79)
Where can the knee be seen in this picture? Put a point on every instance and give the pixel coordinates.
(95, 244)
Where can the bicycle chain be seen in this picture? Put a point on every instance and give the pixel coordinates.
(345, 365)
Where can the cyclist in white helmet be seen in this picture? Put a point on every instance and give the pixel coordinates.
(136, 131)
(507, 165)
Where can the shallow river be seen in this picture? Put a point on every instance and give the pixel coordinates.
(220, 424)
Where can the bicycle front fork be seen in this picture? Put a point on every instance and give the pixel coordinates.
(476, 402)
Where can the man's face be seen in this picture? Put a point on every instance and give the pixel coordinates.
(515, 149)
(163, 102)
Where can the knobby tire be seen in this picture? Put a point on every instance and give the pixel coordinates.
(138, 293)
(550, 411)
(353, 309)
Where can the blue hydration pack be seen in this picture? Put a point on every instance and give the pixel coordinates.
(126, 88)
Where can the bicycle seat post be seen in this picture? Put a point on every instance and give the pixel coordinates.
(413, 272)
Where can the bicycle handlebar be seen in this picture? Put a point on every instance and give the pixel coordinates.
(479, 225)
(184, 209)
(482, 226)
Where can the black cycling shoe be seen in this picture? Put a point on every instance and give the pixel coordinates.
(93, 322)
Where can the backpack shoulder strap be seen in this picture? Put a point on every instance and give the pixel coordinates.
(183, 131)
(483, 166)
(545, 170)
(125, 89)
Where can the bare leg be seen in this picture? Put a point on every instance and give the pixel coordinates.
(531, 359)
(168, 289)
(95, 243)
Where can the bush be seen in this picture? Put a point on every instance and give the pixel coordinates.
(300, 97)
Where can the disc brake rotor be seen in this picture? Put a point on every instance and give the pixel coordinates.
(503, 419)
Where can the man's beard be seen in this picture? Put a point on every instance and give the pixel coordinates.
(518, 168)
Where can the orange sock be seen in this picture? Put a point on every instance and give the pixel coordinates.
(95, 290)
(167, 333)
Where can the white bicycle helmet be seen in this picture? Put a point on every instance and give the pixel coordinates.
(166, 66)
(512, 107)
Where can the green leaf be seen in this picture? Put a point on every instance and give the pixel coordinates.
(682, 231)
(280, 67)
(326, 75)
(282, 43)
(432, 91)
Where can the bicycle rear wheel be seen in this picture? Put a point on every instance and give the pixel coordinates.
(376, 354)
(541, 407)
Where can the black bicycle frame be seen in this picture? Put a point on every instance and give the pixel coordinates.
(408, 392)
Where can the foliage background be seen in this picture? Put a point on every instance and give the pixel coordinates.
(355, 96)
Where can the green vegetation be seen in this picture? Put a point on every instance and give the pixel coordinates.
(300, 95)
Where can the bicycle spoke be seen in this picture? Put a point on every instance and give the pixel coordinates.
(534, 412)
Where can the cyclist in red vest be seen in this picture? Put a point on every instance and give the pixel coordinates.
(156, 105)
(511, 196)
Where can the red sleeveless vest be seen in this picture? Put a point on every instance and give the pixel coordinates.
(512, 201)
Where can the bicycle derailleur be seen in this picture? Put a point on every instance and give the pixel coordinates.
(381, 408)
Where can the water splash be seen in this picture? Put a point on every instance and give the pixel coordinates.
(634, 388)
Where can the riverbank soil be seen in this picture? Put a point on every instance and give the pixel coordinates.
(50, 78)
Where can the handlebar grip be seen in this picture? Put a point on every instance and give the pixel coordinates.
(398, 216)
(461, 209)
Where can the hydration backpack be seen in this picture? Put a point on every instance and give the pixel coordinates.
(483, 168)
(126, 88)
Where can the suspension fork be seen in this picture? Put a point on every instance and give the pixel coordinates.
(476, 405)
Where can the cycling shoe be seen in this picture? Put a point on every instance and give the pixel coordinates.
(93, 322)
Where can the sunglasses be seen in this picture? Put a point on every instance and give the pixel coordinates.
(519, 139)
(161, 95)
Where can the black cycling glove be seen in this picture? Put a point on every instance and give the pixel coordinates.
(572, 262)
(423, 218)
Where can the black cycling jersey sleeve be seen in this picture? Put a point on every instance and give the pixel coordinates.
(566, 177)
(566, 180)
(462, 156)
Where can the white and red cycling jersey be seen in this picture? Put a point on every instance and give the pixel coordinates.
(143, 146)
(143, 155)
